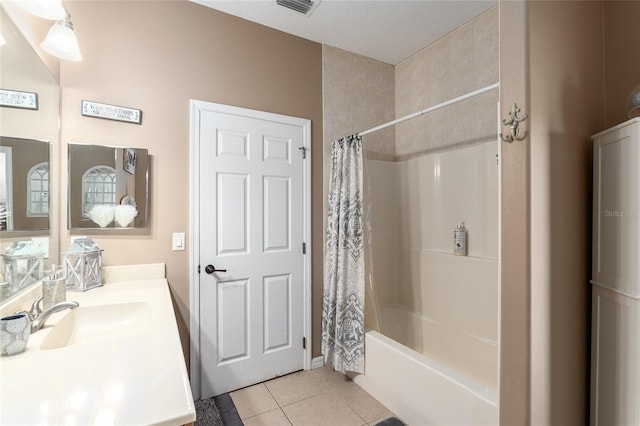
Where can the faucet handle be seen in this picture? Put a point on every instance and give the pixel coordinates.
(35, 310)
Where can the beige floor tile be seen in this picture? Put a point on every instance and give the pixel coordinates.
(296, 387)
(270, 418)
(333, 379)
(321, 410)
(364, 405)
(253, 400)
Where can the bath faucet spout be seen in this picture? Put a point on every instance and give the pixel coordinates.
(38, 323)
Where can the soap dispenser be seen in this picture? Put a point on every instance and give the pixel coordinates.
(54, 288)
(460, 240)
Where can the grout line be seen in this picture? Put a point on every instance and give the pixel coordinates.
(287, 417)
(271, 393)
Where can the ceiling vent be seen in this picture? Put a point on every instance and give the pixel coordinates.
(306, 7)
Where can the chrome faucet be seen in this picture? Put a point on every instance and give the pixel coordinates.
(39, 317)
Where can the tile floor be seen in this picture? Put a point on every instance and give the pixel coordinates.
(307, 398)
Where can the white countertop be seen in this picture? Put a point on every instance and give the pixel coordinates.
(140, 379)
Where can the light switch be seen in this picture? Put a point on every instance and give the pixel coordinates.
(178, 241)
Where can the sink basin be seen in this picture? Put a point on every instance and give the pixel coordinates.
(99, 322)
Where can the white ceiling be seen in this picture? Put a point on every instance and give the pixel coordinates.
(386, 30)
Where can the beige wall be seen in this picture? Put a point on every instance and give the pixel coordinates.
(514, 338)
(571, 65)
(155, 56)
(566, 108)
(622, 56)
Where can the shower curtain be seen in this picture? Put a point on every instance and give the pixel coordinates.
(343, 301)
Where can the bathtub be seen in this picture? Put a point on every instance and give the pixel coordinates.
(422, 391)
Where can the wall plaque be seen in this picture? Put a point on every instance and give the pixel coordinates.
(111, 112)
(16, 99)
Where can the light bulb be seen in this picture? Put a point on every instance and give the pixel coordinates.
(61, 41)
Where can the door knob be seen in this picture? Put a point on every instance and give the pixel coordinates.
(210, 269)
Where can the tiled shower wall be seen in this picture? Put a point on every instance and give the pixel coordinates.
(460, 62)
(358, 93)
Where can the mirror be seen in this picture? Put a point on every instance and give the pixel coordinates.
(24, 184)
(108, 187)
(28, 137)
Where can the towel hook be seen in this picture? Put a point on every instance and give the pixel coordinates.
(513, 122)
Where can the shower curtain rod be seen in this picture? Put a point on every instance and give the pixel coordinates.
(433, 108)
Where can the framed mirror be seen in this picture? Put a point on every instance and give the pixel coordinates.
(29, 147)
(108, 187)
(24, 184)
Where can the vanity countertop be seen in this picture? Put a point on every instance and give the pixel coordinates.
(138, 379)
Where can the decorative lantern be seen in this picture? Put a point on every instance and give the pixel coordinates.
(23, 264)
(83, 265)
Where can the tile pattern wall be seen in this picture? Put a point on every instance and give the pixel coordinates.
(462, 61)
(358, 93)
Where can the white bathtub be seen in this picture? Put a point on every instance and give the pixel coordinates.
(420, 390)
(452, 344)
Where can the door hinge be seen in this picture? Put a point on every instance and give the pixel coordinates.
(198, 268)
(303, 150)
(304, 343)
(304, 248)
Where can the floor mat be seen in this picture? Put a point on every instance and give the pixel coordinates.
(391, 421)
(217, 411)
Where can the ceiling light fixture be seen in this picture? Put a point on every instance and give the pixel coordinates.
(47, 9)
(61, 41)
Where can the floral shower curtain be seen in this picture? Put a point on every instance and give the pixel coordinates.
(343, 302)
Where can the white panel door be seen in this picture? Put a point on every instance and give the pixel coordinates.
(251, 220)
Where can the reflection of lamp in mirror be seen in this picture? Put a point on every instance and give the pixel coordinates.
(61, 41)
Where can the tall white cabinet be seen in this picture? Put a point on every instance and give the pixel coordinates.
(615, 344)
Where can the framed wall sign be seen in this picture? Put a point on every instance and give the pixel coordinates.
(111, 112)
(17, 99)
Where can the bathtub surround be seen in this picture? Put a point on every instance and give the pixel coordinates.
(430, 173)
(343, 307)
(438, 304)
